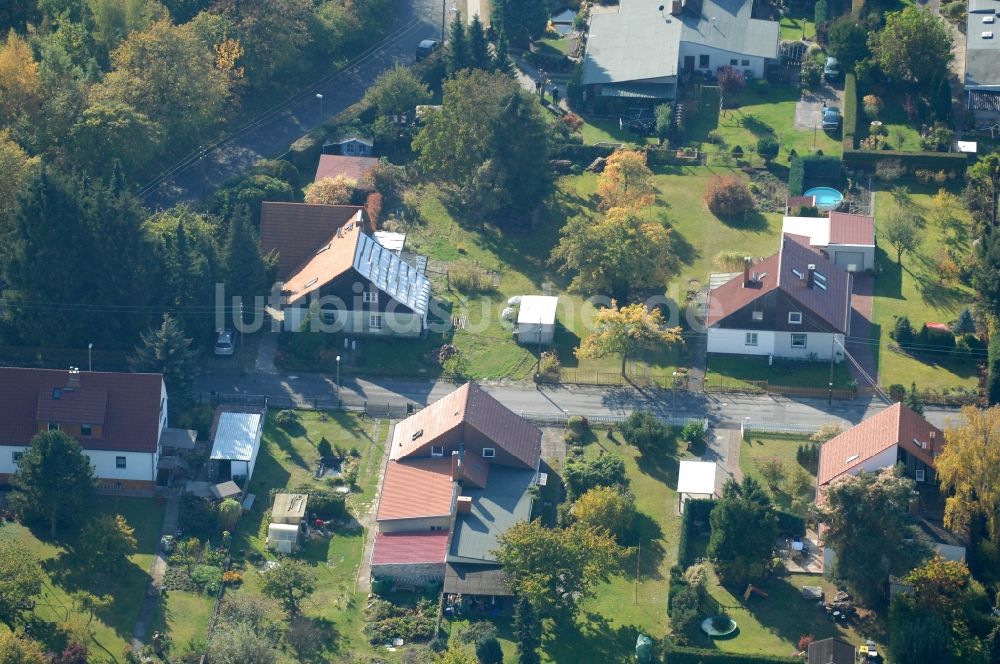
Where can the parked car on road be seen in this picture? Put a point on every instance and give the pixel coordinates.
(225, 343)
(426, 47)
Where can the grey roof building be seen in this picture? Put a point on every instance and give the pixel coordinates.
(982, 59)
(504, 502)
(640, 50)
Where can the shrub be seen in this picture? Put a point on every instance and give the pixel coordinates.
(286, 419)
(488, 651)
(198, 517)
(324, 448)
(897, 392)
(902, 331)
(644, 431)
(232, 577)
(731, 80)
(693, 434)
(550, 366)
(728, 196)
(965, 324)
(872, 106)
(762, 86)
(578, 424)
(324, 502)
(812, 71)
(478, 631)
(572, 121)
(937, 139)
(208, 577)
(804, 641)
(773, 472)
(767, 148)
(932, 337)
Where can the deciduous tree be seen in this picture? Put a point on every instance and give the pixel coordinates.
(581, 475)
(331, 191)
(847, 40)
(871, 530)
(54, 479)
(19, 649)
(20, 581)
(648, 434)
(969, 470)
(557, 568)
(728, 196)
(744, 529)
(626, 181)
(607, 508)
(914, 45)
(289, 582)
(397, 91)
(107, 541)
(622, 331)
(18, 81)
(114, 128)
(901, 231)
(241, 645)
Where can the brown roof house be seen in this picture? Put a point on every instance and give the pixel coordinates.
(795, 304)
(356, 168)
(896, 435)
(118, 419)
(846, 240)
(831, 651)
(459, 475)
(325, 255)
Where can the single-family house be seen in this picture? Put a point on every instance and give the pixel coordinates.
(356, 168)
(641, 50)
(459, 475)
(846, 240)
(536, 319)
(118, 419)
(982, 53)
(831, 651)
(359, 286)
(795, 304)
(895, 435)
(351, 146)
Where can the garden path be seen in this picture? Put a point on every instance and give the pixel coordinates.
(159, 568)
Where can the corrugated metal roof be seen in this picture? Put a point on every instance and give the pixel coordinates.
(410, 548)
(504, 502)
(391, 275)
(896, 424)
(237, 436)
(415, 488)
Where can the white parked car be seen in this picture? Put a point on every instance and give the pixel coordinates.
(225, 343)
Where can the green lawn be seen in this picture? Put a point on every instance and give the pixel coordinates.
(554, 46)
(798, 25)
(611, 620)
(773, 626)
(758, 449)
(789, 373)
(771, 114)
(65, 573)
(902, 134)
(185, 616)
(920, 292)
(607, 130)
(288, 459)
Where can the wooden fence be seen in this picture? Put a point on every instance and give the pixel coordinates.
(613, 379)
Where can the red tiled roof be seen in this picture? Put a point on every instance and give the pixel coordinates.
(896, 424)
(831, 305)
(415, 488)
(469, 405)
(410, 548)
(856, 229)
(125, 405)
(296, 230)
(329, 260)
(356, 168)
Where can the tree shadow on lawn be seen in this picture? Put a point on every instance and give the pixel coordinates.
(591, 638)
(660, 467)
(684, 250)
(890, 277)
(752, 220)
(647, 534)
(934, 291)
(283, 440)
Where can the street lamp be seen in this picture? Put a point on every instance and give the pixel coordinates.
(90, 363)
(320, 98)
(338, 380)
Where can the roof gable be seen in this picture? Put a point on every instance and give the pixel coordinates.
(330, 259)
(416, 488)
(895, 425)
(356, 168)
(125, 405)
(294, 231)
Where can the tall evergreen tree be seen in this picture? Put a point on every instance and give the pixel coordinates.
(502, 61)
(246, 272)
(54, 479)
(522, 20)
(527, 632)
(457, 55)
(166, 350)
(479, 48)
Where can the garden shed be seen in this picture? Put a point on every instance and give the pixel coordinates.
(536, 320)
(235, 445)
(696, 479)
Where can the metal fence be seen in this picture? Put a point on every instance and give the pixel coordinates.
(749, 426)
(388, 408)
(614, 379)
(562, 418)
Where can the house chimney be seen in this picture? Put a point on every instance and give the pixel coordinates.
(464, 504)
(747, 263)
(933, 444)
(456, 463)
(74, 378)
(810, 275)
(676, 7)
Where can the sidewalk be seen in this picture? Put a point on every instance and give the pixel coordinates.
(156, 573)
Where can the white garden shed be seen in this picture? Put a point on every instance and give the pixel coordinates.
(695, 479)
(237, 441)
(536, 320)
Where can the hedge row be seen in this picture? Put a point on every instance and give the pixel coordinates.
(850, 112)
(796, 176)
(681, 655)
(791, 525)
(816, 165)
(695, 509)
(910, 160)
(580, 153)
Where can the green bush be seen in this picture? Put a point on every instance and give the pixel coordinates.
(286, 419)
(902, 331)
(682, 655)
(790, 525)
(324, 502)
(208, 578)
(645, 432)
(850, 111)
(931, 337)
(820, 12)
(767, 148)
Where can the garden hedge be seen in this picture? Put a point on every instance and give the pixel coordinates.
(681, 655)
(816, 165)
(580, 153)
(850, 112)
(796, 176)
(934, 161)
(698, 509)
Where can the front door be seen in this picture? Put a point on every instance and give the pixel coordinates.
(688, 63)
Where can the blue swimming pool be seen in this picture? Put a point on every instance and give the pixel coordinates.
(827, 198)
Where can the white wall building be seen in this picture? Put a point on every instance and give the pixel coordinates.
(536, 319)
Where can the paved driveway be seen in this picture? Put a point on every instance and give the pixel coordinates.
(809, 109)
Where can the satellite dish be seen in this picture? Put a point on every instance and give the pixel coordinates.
(661, 8)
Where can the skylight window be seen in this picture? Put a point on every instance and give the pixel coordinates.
(987, 35)
(853, 457)
(312, 282)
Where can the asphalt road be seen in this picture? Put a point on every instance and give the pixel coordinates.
(413, 20)
(722, 410)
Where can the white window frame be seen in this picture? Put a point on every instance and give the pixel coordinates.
(489, 452)
(16, 457)
(795, 318)
(746, 63)
(370, 297)
(805, 340)
(751, 339)
(704, 57)
(86, 429)
(920, 475)
(437, 450)
(53, 426)
(375, 321)
(121, 463)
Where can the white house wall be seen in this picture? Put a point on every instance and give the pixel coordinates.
(395, 324)
(820, 343)
(527, 333)
(721, 340)
(415, 525)
(719, 58)
(867, 250)
(139, 466)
